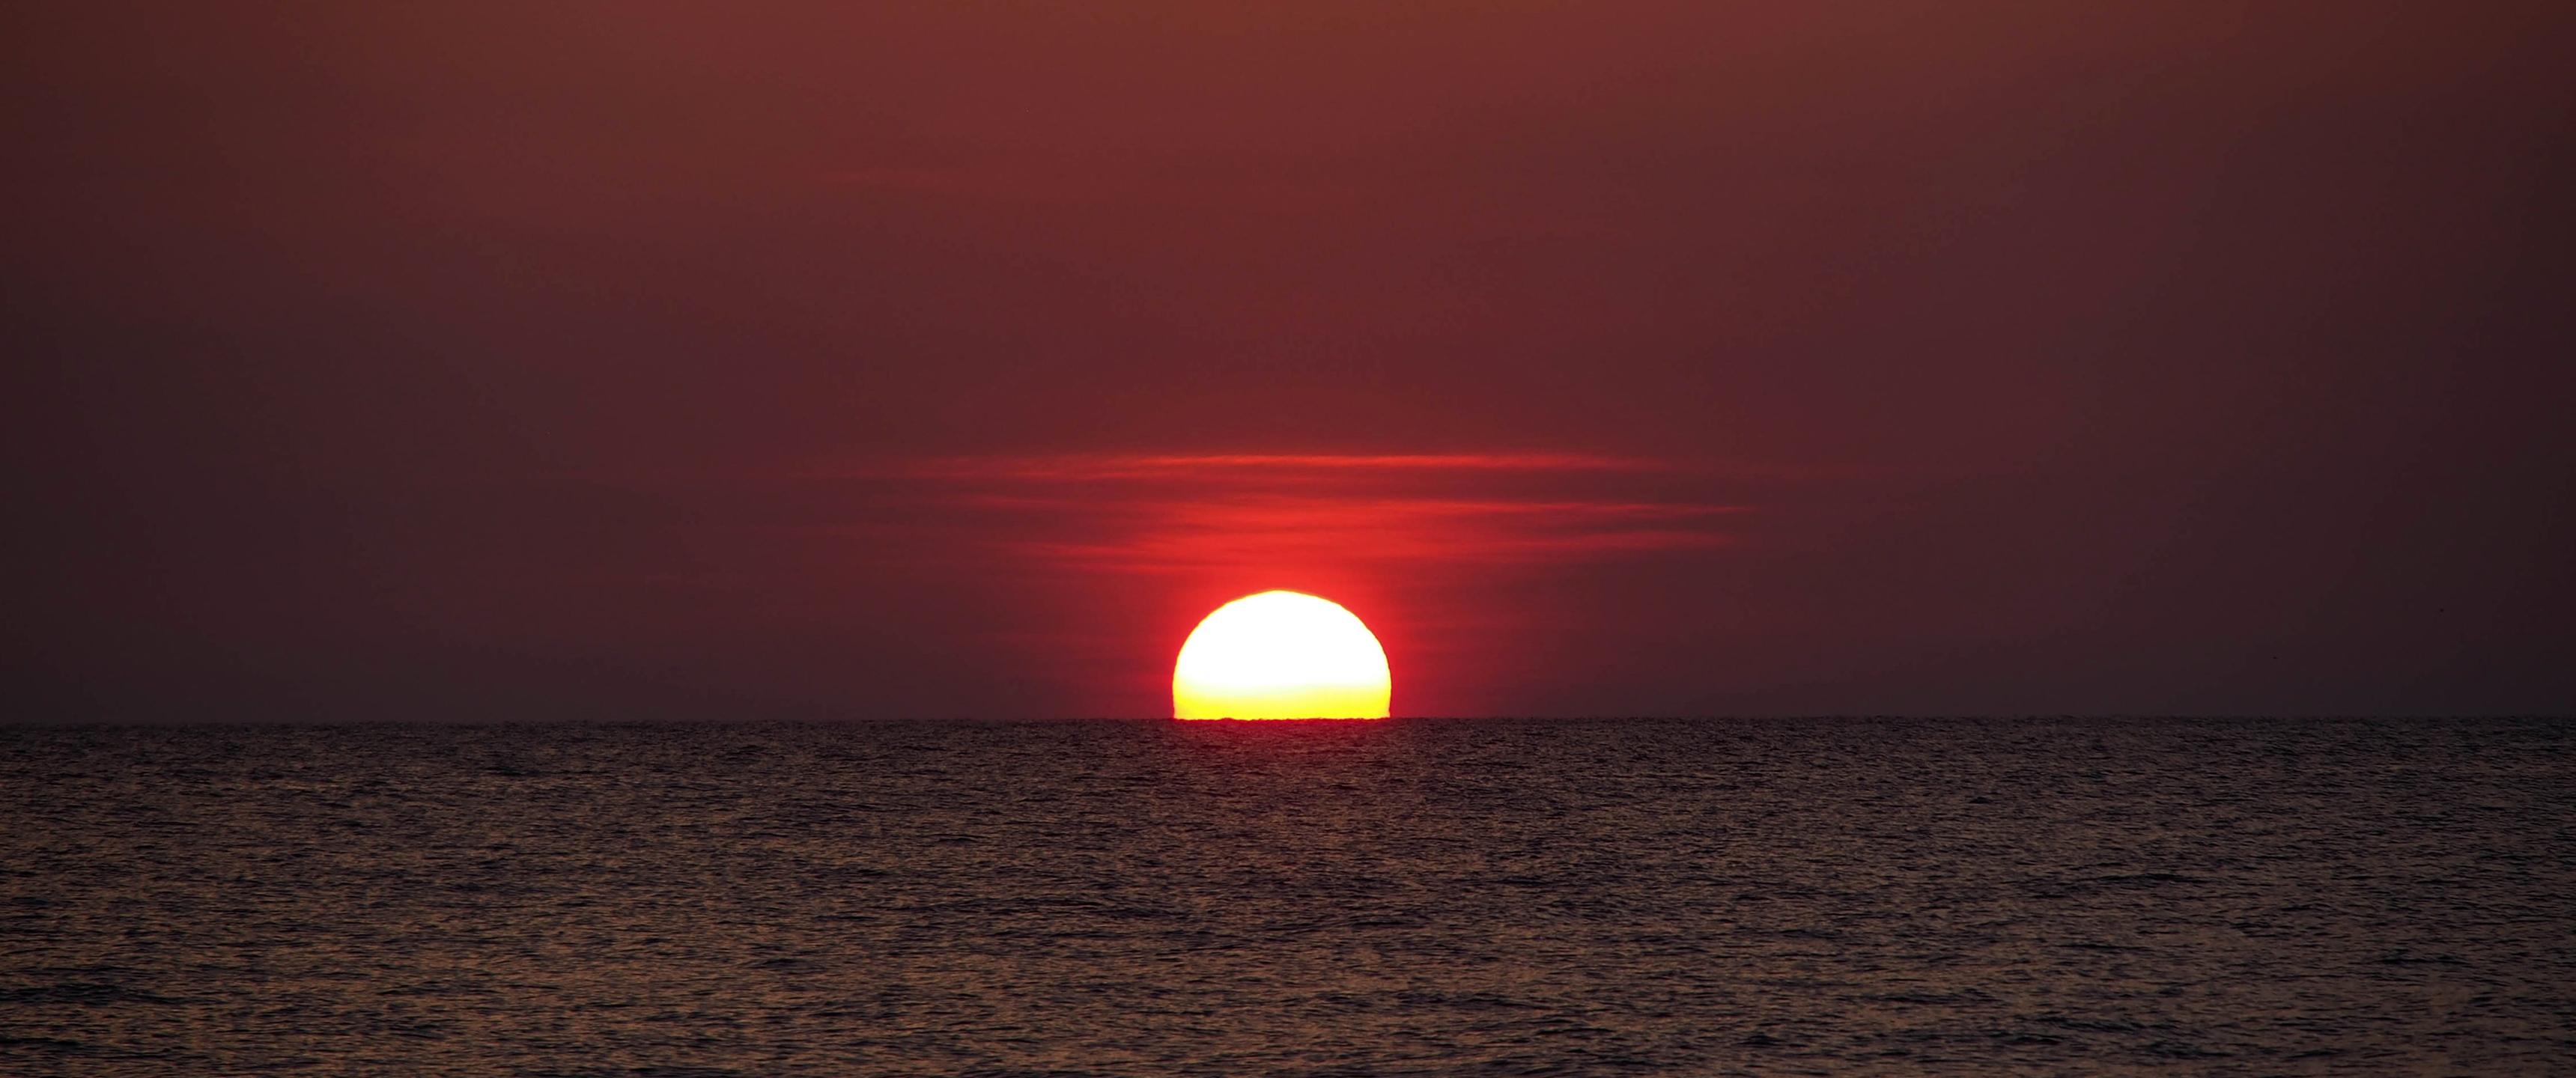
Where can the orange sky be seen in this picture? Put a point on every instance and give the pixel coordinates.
(923, 359)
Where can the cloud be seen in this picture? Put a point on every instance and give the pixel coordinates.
(1211, 466)
(1154, 514)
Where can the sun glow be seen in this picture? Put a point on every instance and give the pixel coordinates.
(1281, 655)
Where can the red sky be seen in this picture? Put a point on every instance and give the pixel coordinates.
(839, 360)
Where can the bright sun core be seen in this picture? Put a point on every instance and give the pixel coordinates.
(1280, 655)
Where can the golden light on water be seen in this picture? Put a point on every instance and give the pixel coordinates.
(1281, 655)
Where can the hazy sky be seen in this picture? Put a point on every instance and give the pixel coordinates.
(817, 360)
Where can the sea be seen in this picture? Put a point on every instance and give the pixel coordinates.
(2046, 896)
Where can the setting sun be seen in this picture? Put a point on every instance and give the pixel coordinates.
(1281, 655)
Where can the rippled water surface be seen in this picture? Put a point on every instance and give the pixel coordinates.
(1410, 897)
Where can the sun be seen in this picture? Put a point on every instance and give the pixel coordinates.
(1281, 655)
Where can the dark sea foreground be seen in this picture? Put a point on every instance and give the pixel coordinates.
(1412, 897)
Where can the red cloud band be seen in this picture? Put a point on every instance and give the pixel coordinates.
(1191, 514)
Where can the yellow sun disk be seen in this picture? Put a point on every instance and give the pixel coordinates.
(1281, 655)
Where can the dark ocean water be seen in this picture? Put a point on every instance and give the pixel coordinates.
(1410, 897)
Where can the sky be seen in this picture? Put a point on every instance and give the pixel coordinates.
(662, 360)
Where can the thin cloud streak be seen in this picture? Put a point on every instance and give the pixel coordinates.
(1140, 466)
(1252, 514)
